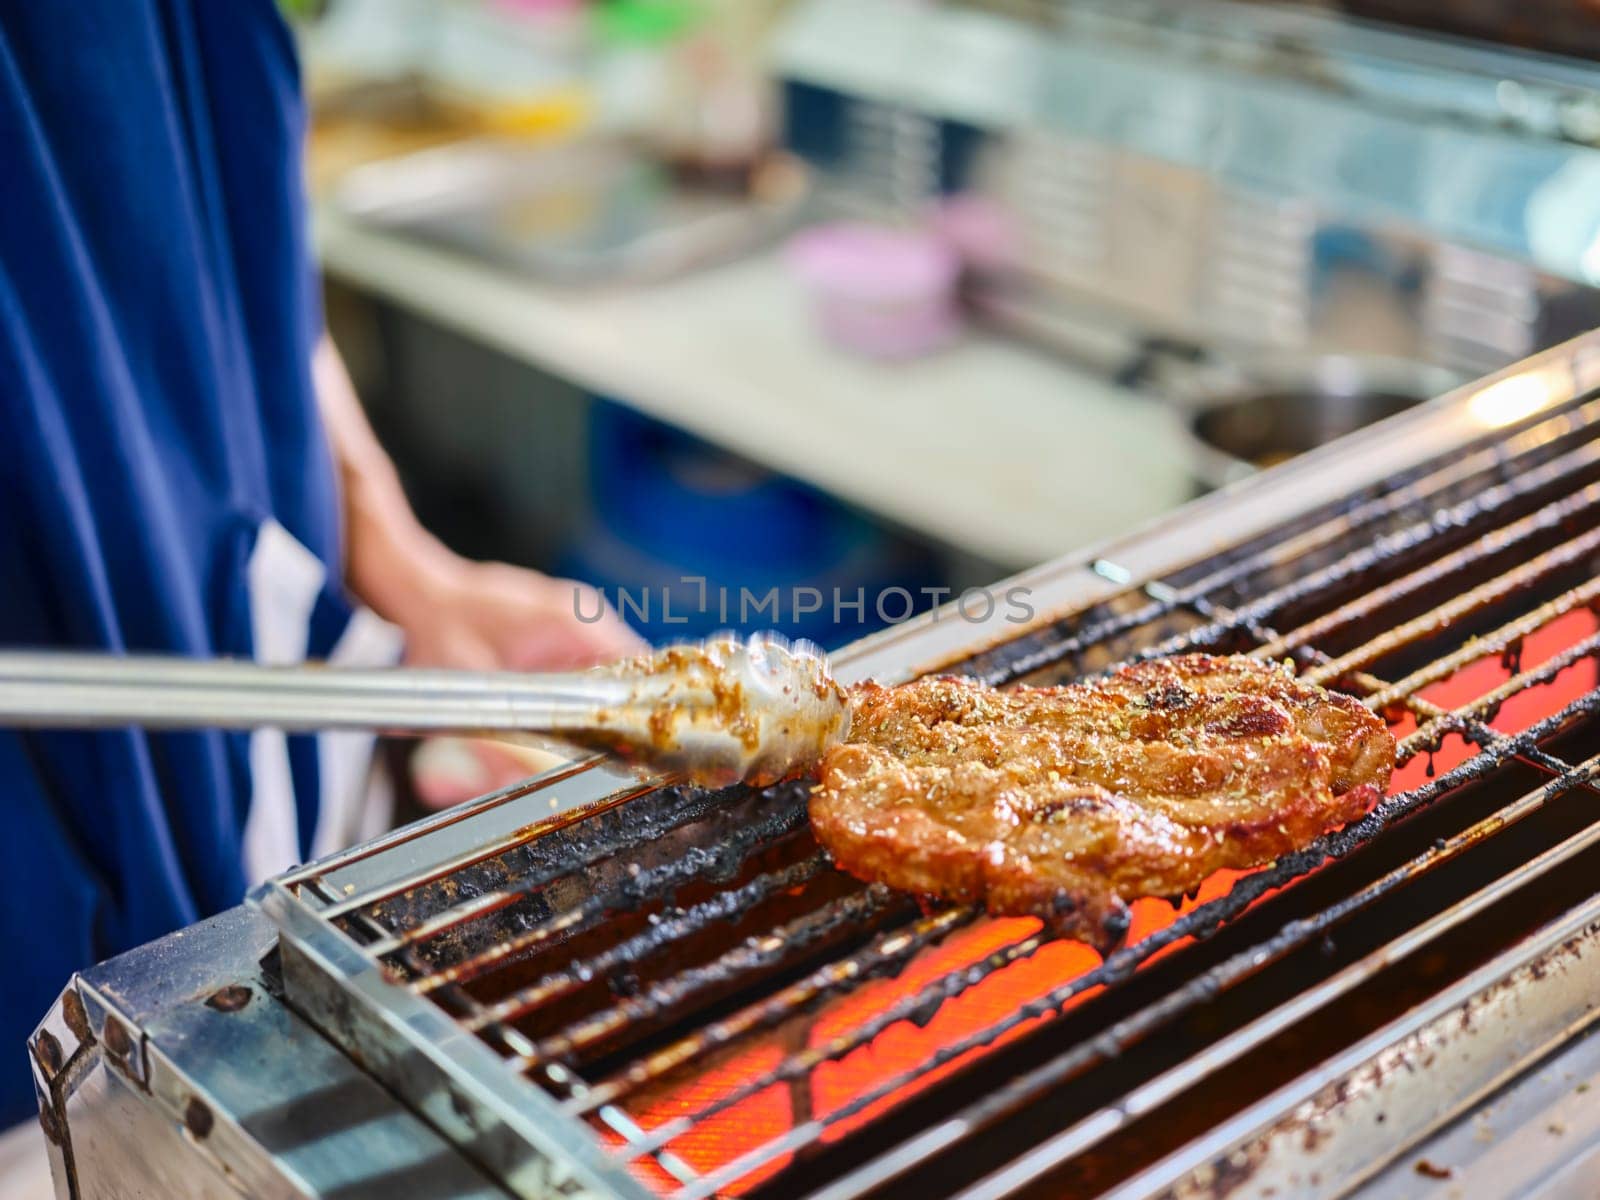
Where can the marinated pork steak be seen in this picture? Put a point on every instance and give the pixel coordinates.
(1067, 802)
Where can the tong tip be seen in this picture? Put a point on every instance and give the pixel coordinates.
(758, 709)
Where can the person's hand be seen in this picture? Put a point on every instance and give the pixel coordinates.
(454, 612)
(495, 617)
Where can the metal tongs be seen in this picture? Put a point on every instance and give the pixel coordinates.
(719, 710)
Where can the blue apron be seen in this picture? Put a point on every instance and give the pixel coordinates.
(164, 481)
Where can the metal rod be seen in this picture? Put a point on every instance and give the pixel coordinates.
(628, 1130)
(1541, 521)
(887, 951)
(672, 927)
(1370, 556)
(1469, 727)
(317, 872)
(787, 815)
(756, 953)
(1491, 643)
(1520, 484)
(64, 689)
(1423, 735)
(797, 1066)
(607, 835)
(1483, 596)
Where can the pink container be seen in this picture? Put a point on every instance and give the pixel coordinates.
(879, 292)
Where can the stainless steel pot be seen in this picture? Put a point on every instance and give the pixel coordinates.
(1240, 422)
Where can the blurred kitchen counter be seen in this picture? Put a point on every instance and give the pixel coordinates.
(987, 446)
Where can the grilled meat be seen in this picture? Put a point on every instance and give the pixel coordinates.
(1067, 802)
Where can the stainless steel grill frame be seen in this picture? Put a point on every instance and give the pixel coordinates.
(424, 955)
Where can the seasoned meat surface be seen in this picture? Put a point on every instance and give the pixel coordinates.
(1067, 802)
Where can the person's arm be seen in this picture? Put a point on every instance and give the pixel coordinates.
(455, 612)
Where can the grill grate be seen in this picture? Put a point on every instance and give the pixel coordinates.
(619, 982)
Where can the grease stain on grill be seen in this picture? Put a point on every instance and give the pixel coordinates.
(77, 1019)
(49, 1055)
(229, 999)
(1115, 925)
(1313, 1135)
(50, 1126)
(116, 1037)
(1227, 1175)
(198, 1119)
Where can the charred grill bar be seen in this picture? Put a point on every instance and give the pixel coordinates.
(655, 990)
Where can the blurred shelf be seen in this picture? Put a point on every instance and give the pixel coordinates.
(987, 446)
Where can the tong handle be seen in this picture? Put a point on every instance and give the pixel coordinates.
(84, 690)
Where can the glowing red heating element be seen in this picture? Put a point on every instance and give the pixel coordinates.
(902, 1047)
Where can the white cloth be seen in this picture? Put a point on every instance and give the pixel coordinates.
(285, 580)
